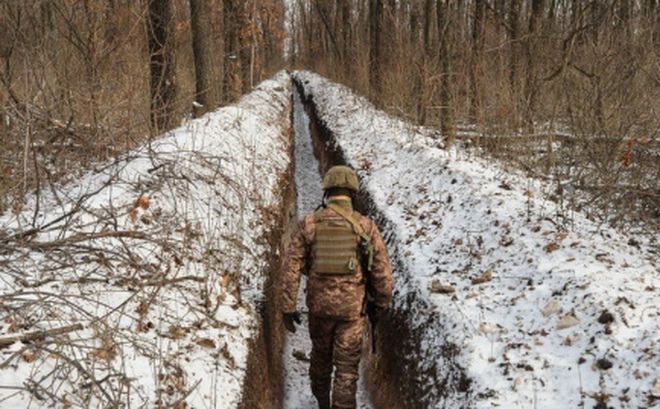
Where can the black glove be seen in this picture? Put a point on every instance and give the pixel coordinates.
(290, 320)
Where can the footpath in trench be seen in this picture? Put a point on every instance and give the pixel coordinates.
(298, 346)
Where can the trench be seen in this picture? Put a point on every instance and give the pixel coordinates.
(392, 378)
(380, 384)
(297, 392)
(315, 153)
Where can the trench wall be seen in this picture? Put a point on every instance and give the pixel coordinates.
(263, 385)
(395, 377)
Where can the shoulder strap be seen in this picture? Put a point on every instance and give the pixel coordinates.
(356, 224)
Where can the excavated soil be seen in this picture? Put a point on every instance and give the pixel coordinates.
(263, 379)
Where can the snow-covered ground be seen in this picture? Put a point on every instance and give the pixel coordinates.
(544, 316)
(160, 258)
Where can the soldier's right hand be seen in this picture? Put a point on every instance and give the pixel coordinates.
(290, 320)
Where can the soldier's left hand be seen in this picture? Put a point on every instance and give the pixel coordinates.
(290, 320)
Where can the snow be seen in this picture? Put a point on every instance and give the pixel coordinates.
(161, 257)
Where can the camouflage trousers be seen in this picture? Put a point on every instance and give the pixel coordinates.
(338, 344)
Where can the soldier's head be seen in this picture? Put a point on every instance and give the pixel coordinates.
(340, 181)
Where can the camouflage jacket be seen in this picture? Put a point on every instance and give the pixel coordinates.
(334, 296)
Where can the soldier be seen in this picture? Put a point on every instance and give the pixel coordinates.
(327, 248)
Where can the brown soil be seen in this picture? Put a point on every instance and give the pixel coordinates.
(263, 380)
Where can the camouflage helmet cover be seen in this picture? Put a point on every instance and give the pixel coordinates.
(342, 177)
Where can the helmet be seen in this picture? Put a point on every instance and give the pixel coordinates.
(342, 177)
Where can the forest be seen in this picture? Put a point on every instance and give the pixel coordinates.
(566, 90)
(151, 164)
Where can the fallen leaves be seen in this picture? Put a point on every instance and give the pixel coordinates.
(550, 247)
(552, 307)
(107, 352)
(173, 380)
(29, 356)
(604, 258)
(176, 332)
(656, 387)
(14, 324)
(206, 343)
(567, 321)
(484, 278)
(554, 245)
(486, 328)
(143, 202)
(506, 241)
(439, 288)
(104, 354)
(139, 210)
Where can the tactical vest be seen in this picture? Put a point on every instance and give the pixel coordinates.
(335, 249)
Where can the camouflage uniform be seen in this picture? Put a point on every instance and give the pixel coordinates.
(336, 322)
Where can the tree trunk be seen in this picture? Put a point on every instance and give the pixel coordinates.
(232, 25)
(273, 32)
(446, 105)
(161, 64)
(245, 45)
(207, 92)
(531, 49)
(421, 83)
(477, 56)
(514, 38)
(652, 21)
(597, 18)
(428, 17)
(344, 36)
(375, 57)
(326, 34)
(624, 21)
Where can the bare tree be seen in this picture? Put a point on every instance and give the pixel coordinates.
(531, 81)
(446, 104)
(161, 64)
(344, 35)
(375, 56)
(478, 34)
(205, 48)
(235, 54)
(514, 63)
